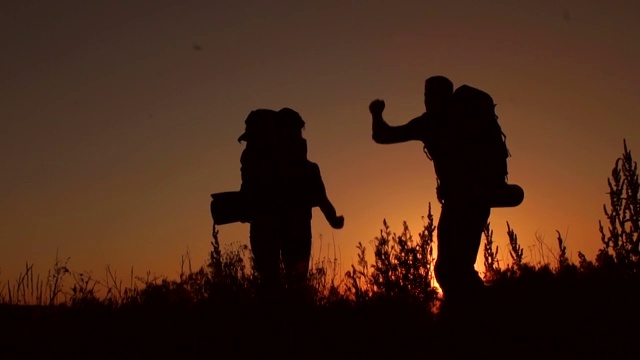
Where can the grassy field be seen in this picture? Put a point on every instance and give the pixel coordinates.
(563, 310)
(383, 309)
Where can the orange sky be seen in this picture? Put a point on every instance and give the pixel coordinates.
(115, 129)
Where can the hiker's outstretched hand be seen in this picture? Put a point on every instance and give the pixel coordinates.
(376, 107)
(337, 222)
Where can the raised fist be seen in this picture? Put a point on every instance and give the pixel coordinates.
(376, 107)
(337, 222)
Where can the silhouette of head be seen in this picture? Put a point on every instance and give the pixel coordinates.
(256, 123)
(437, 92)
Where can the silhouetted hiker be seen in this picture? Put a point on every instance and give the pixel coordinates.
(280, 186)
(461, 136)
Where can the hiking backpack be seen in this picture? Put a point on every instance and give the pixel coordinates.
(266, 128)
(477, 151)
(273, 142)
(476, 124)
(273, 138)
(274, 151)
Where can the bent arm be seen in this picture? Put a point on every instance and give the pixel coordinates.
(322, 200)
(336, 222)
(327, 208)
(383, 133)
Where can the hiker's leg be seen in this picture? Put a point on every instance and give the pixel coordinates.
(476, 220)
(296, 253)
(446, 244)
(459, 235)
(264, 239)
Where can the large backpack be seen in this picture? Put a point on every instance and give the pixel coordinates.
(478, 147)
(273, 145)
(476, 124)
(274, 153)
(266, 128)
(273, 138)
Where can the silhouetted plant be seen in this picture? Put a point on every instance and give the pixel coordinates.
(21, 292)
(515, 251)
(166, 293)
(83, 291)
(622, 243)
(324, 280)
(215, 255)
(491, 262)
(55, 279)
(357, 279)
(584, 264)
(402, 266)
(228, 270)
(563, 260)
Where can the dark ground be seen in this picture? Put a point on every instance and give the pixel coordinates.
(593, 321)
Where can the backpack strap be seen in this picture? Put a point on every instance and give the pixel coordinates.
(426, 152)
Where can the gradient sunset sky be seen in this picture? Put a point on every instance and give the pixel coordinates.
(120, 118)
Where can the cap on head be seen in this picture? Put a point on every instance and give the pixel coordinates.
(256, 121)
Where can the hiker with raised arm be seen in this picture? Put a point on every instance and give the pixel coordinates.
(459, 134)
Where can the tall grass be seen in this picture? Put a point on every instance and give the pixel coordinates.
(401, 266)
